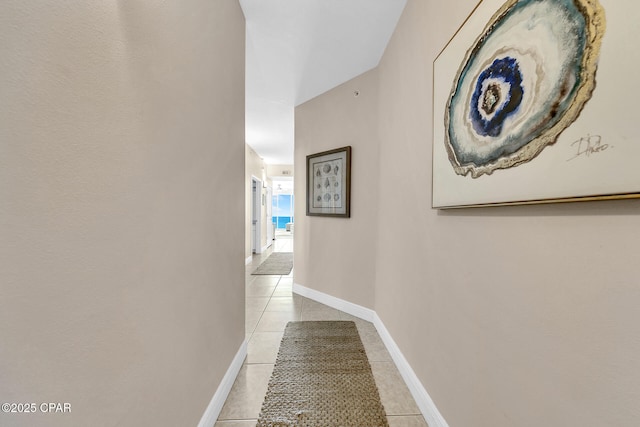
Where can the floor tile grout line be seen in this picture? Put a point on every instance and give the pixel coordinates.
(404, 415)
(264, 310)
(306, 307)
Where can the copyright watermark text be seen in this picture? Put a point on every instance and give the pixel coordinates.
(33, 408)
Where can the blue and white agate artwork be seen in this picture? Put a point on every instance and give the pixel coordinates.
(525, 80)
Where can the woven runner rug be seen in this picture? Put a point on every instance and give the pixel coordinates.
(322, 378)
(278, 263)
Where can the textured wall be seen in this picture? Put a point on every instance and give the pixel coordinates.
(121, 276)
(514, 316)
(528, 315)
(337, 255)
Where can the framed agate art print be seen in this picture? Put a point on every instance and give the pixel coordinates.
(534, 101)
(329, 183)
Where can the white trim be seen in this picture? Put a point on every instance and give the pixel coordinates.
(264, 248)
(257, 203)
(270, 229)
(337, 303)
(248, 260)
(212, 412)
(427, 407)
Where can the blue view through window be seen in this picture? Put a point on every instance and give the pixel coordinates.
(282, 210)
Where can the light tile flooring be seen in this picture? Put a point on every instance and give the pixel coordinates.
(270, 304)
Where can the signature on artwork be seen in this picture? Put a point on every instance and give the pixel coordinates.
(588, 145)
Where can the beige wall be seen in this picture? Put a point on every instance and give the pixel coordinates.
(254, 167)
(513, 316)
(120, 291)
(285, 171)
(337, 255)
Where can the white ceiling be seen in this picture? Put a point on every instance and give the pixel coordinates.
(298, 49)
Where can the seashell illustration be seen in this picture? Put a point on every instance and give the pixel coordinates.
(318, 173)
(327, 184)
(336, 197)
(327, 197)
(326, 168)
(319, 198)
(335, 170)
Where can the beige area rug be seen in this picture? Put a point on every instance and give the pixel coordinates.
(278, 263)
(322, 378)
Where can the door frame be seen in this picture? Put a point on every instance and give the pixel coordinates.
(269, 207)
(256, 215)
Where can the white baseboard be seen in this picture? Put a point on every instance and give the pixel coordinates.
(265, 247)
(337, 303)
(423, 400)
(427, 406)
(248, 260)
(212, 412)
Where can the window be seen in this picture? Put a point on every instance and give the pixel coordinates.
(282, 210)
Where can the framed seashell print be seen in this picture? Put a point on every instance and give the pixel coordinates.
(329, 183)
(532, 104)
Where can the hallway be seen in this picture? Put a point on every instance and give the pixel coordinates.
(270, 304)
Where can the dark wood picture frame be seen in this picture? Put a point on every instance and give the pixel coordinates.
(329, 183)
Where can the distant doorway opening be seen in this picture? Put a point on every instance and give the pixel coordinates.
(256, 215)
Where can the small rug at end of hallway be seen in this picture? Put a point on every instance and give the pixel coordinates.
(278, 263)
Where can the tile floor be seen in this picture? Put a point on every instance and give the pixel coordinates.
(270, 304)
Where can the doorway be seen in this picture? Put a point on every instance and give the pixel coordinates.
(283, 214)
(256, 215)
(270, 225)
